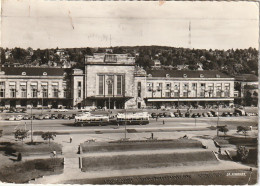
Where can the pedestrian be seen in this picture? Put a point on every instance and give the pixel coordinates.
(70, 139)
(219, 150)
(163, 122)
(152, 135)
(156, 118)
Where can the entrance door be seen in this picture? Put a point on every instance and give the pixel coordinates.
(79, 105)
(12, 103)
(55, 104)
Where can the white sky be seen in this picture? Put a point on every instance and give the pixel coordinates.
(49, 24)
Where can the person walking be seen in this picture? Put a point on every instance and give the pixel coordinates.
(163, 122)
(70, 139)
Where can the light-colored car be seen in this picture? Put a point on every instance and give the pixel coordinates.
(172, 115)
(19, 117)
(46, 116)
(11, 118)
(89, 108)
(62, 110)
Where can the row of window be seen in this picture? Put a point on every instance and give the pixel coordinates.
(34, 93)
(109, 82)
(201, 94)
(185, 86)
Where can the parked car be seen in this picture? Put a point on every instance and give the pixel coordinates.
(240, 112)
(176, 114)
(40, 117)
(187, 114)
(19, 117)
(26, 117)
(11, 110)
(172, 115)
(59, 116)
(214, 113)
(167, 114)
(11, 118)
(209, 114)
(62, 110)
(65, 117)
(194, 115)
(154, 115)
(46, 116)
(204, 114)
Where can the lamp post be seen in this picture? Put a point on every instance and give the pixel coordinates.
(109, 82)
(218, 119)
(31, 123)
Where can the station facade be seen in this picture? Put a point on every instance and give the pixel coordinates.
(113, 81)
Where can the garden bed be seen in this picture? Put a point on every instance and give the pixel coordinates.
(119, 162)
(27, 149)
(139, 145)
(23, 172)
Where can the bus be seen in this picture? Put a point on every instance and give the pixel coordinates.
(135, 118)
(88, 119)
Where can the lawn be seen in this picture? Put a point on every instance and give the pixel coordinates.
(190, 178)
(27, 149)
(139, 145)
(22, 172)
(119, 162)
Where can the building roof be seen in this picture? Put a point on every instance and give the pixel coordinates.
(246, 77)
(189, 73)
(33, 71)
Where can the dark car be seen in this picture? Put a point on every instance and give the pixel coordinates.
(53, 116)
(176, 114)
(187, 114)
(65, 117)
(167, 114)
(161, 115)
(214, 113)
(154, 115)
(225, 114)
(195, 115)
(59, 116)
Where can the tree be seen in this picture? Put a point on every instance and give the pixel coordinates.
(48, 136)
(242, 153)
(21, 134)
(243, 129)
(223, 129)
(248, 98)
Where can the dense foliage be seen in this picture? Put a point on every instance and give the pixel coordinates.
(229, 61)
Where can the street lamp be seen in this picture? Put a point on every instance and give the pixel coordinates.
(31, 123)
(218, 119)
(109, 82)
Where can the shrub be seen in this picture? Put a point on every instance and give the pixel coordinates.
(242, 153)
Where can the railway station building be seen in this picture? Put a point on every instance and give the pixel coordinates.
(113, 81)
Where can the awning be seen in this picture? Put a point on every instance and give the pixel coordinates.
(33, 84)
(23, 84)
(44, 83)
(198, 99)
(12, 83)
(55, 83)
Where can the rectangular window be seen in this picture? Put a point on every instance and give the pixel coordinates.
(119, 84)
(176, 94)
(185, 94)
(194, 86)
(23, 92)
(79, 84)
(219, 90)
(159, 86)
(55, 91)
(149, 87)
(168, 86)
(44, 92)
(110, 85)
(176, 86)
(2, 89)
(185, 86)
(2, 93)
(101, 84)
(34, 92)
(227, 90)
(167, 94)
(139, 86)
(202, 86)
(202, 94)
(210, 90)
(79, 93)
